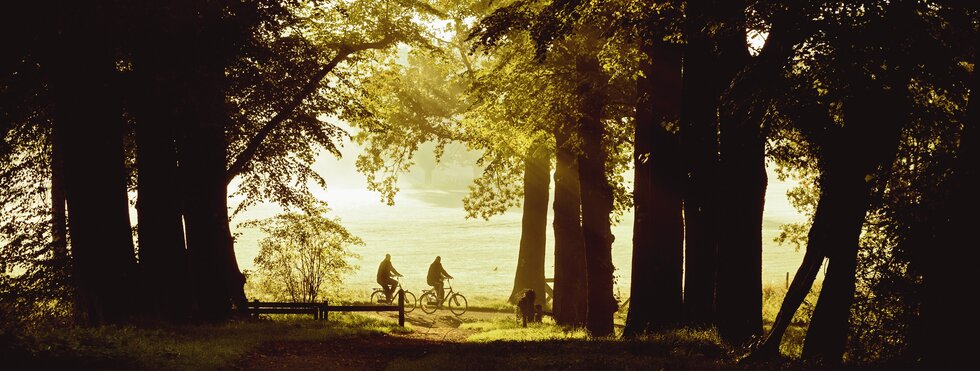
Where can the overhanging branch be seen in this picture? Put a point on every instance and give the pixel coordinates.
(242, 160)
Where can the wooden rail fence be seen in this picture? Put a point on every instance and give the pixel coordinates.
(320, 311)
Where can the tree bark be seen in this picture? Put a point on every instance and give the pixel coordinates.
(89, 128)
(868, 144)
(160, 228)
(202, 150)
(597, 199)
(59, 216)
(534, 225)
(738, 293)
(658, 231)
(846, 157)
(699, 135)
(743, 171)
(61, 259)
(940, 342)
(570, 300)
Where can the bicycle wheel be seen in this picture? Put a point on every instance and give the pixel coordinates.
(410, 301)
(429, 302)
(378, 297)
(457, 304)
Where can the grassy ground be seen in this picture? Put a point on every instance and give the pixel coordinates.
(360, 342)
(504, 345)
(492, 340)
(191, 347)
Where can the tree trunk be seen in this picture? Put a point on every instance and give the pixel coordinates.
(944, 276)
(699, 135)
(216, 279)
(162, 253)
(743, 171)
(597, 200)
(534, 226)
(848, 156)
(61, 259)
(658, 231)
(868, 143)
(570, 300)
(89, 128)
(738, 295)
(59, 217)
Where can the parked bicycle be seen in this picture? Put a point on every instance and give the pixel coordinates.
(455, 301)
(379, 297)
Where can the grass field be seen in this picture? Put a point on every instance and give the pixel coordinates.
(493, 340)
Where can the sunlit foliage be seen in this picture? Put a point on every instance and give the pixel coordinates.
(303, 256)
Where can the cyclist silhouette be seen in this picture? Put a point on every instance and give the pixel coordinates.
(436, 275)
(385, 273)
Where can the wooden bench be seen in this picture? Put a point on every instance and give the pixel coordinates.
(258, 307)
(321, 310)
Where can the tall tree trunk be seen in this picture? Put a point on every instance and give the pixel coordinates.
(534, 226)
(597, 199)
(738, 295)
(658, 231)
(570, 301)
(162, 253)
(89, 127)
(739, 290)
(699, 135)
(943, 276)
(216, 279)
(208, 43)
(61, 259)
(868, 144)
(837, 221)
(59, 217)
(833, 221)
(848, 156)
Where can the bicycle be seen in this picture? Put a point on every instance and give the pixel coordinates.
(379, 297)
(457, 302)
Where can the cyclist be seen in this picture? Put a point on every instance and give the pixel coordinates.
(385, 273)
(436, 275)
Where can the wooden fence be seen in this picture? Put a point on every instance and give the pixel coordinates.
(322, 310)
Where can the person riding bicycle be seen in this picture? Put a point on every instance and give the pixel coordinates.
(436, 275)
(386, 272)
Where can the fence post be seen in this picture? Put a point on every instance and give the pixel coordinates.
(326, 311)
(255, 311)
(401, 307)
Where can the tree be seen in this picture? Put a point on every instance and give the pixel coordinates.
(570, 301)
(738, 292)
(530, 265)
(597, 196)
(699, 135)
(656, 296)
(160, 227)
(303, 255)
(853, 139)
(89, 128)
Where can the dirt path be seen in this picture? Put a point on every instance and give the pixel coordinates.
(441, 326)
(429, 332)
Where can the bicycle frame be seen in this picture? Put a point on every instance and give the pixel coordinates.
(394, 290)
(448, 292)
